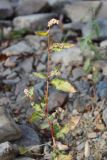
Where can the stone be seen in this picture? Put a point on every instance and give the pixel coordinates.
(80, 10)
(26, 7)
(56, 99)
(18, 49)
(32, 21)
(67, 57)
(4, 101)
(82, 103)
(8, 129)
(11, 62)
(103, 10)
(80, 146)
(7, 31)
(11, 81)
(77, 73)
(104, 116)
(103, 44)
(27, 65)
(82, 86)
(34, 41)
(92, 135)
(7, 72)
(101, 23)
(6, 151)
(101, 89)
(40, 67)
(6, 9)
(30, 140)
(24, 158)
(29, 137)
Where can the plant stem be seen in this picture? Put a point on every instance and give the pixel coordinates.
(47, 92)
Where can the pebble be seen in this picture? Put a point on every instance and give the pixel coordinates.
(67, 57)
(92, 135)
(6, 151)
(101, 89)
(9, 130)
(104, 116)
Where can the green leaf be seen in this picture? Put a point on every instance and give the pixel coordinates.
(31, 91)
(41, 33)
(36, 116)
(23, 150)
(63, 131)
(87, 65)
(63, 85)
(60, 46)
(56, 72)
(56, 128)
(95, 75)
(40, 75)
(37, 108)
(44, 125)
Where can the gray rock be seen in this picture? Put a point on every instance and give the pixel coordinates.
(11, 81)
(101, 23)
(18, 49)
(101, 65)
(12, 75)
(25, 158)
(80, 10)
(56, 99)
(82, 103)
(103, 10)
(67, 57)
(103, 44)
(6, 9)
(6, 151)
(27, 65)
(77, 73)
(11, 62)
(83, 86)
(41, 67)
(8, 129)
(32, 21)
(104, 116)
(80, 146)
(27, 7)
(29, 137)
(7, 72)
(30, 140)
(34, 41)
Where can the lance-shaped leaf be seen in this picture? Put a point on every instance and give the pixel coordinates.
(60, 46)
(63, 85)
(41, 33)
(40, 75)
(87, 65)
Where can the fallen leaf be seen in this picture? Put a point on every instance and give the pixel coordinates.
(73, 122)
(63, 85)
(61, 146)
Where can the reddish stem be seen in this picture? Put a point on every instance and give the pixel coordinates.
(47, 93)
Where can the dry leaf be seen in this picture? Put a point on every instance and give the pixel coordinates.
(73, 122)
(87, 149)
(64, 157)
(61, 146)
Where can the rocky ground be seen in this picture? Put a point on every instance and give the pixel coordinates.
(22, 52)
